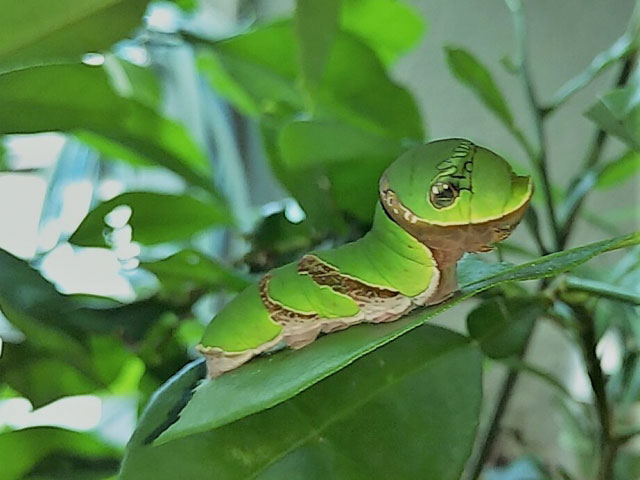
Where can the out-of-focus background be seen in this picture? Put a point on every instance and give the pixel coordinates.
(50, 181)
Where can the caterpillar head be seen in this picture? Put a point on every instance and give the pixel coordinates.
(455, 196)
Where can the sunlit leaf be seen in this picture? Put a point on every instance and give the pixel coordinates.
(32, 31)
(469, 71)
(619, 170)
(389, 27)
(267, 381)
(425, 385)
(155, 218)
(256, 70)
(357, 106)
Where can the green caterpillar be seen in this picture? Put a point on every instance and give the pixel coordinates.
(437, 201)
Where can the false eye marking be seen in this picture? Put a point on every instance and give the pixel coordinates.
(442, 195)
(454, 175)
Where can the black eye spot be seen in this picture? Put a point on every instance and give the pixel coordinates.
(442, 195)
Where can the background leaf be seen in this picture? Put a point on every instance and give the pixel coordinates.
(389, 27)
(315, 26)
(619, 170)
(618, 112)
(355, 424)
(32, 31)
(27, 448)
(502, 325)
(190, 269)
(469, 71)
(34, 100)
(155, 218)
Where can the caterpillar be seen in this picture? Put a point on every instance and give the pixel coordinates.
(437, 201)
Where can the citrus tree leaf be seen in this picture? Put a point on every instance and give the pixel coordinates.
(33, 31)
(619, 170)
(267, 381)
(190, 269)
(502, 325)
(362, 422)
(76, 97)
(315, 26)
(389, 27)
(27, 448)
(618, 112)
(155, 218)
(469, 71)
(356, 105)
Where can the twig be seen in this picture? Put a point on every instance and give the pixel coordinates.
(539, 158)
(494, 425)
(588, 342)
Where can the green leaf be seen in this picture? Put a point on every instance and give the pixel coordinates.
(257, 70)
(33, 31)
(267, 381)
(315, 25)
(622, 47)
(155, 218)
(350, 159)
(502, 325)
(314, 143)
(357, 106)
(75, 98)
(389, 27)
(35, 307)
(603, 289)
(619, 170)
(140, 83)
(469, 71)
(189, 269)
(361, 423)
(22, 450)
(618, 112)
(222, 81)
(187, 5)
(358, 89)
(41, 377)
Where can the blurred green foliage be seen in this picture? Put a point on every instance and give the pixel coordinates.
(360, 403)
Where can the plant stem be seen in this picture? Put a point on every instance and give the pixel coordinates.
(540, 157)
(593, 157)
(588, 342)
(493, 430)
